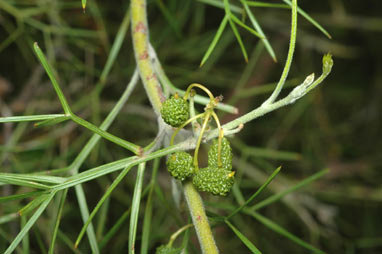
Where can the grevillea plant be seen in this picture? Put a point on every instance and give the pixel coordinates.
(175, 110)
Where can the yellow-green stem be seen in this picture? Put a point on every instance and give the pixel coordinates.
(201, 87)
(206, 118)
(140, 34)
(221, 135)
(200, 220)
(183, 125)
(177, 233)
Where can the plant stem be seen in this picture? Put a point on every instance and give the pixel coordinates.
(292, 44)
(200, 219)
(140, 34)
(202, 130)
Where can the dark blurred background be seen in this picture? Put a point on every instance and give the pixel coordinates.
(337, 126)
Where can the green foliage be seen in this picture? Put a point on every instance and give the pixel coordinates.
(214, 180)
(74, 161)
(175, 111)
(180, 166)
(164, 249)
(225, 154)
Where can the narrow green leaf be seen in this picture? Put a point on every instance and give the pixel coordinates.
(115, 48)
(135, 207)
(309, 18)
(240, 23)
(19, 196)
(29, 224)
(215, 40)
(52, 77)
(289, 5)
(84, 210)
(219, 4)
(174, 24)
(270, 178)
(102, 218)
(258, 28)
(239, 40)
(264, 4)
(51, 122)
(33, 204)
(21, 182)
(34, 178)
(278, 229)
(9, 217)
(100, 202)
(25, 241)
(234, 29)
(116, 140)
(120, 222)
(57, 221)
(32, 118)
(148, 210)
(283, 193)
(243, 238)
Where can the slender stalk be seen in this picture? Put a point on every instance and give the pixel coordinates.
(200, 220)
(292, 44)
(125, 144)
(204, 126)
(183, 125)
(177, 233)
(221, 135)
(201, 87)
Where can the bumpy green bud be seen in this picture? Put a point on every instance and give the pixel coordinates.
(214, 180)
(175, 111)
(164, 249)
(225, 154)
(180, 166)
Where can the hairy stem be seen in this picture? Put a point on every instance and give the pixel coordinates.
(140, 34)
(200, 220)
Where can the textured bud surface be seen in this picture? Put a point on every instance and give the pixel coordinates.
(175, 111)
(214, 180)
(226, 154)
(180, 165)
(163, 249)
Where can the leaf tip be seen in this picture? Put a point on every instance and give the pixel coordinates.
(83, 5)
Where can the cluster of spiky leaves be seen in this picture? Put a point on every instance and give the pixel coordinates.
(175, 111)
(164, 249)
(179, 165)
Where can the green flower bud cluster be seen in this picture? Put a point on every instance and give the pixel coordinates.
(214, 179)
(179, 165)
(164, 249)
(175, 111)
